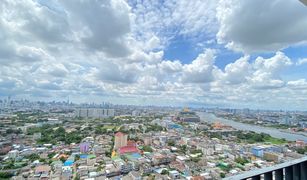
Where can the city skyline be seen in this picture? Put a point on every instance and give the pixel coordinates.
(9, 103)
(177, 53)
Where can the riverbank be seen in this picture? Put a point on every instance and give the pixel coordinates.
(211, 118)
(282, 128)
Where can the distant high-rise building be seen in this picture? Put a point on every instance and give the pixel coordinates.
(110, 112)
(82, 113)
(94, 112)
(246, 111)
(120, 140)
(286, 119)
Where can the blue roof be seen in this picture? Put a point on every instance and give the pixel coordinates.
(68, 163)
(83, 156)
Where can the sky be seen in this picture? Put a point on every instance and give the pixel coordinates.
(210, 53)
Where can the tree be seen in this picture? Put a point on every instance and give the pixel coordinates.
(140, 128)
(183, 148)
(5, 175)
(63, 159)
(60, 131)
(222, 175)
(195, 159)
(42, 160)
(15, 131)
(33, 157)
(196, 151)
(109, 153)
(164, 172)
(77, 177)
(147, 149)
(73, 137)
(10, 165)
(171, 143)
(241, 161)
(51, 155)
(77, 157)
(301, 150)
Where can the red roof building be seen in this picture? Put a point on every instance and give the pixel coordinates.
(128, 149)
(131, 143)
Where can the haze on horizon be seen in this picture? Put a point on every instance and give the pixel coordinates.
(228, 53)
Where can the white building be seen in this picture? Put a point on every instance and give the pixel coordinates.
(13, 154)
(94, 112)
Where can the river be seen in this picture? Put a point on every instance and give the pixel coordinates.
(208, 117)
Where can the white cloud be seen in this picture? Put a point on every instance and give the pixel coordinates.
(267, 72)
(238, 71)
(201, 69)
(301, 61)
(30, 54)
(54, 69)
(167, 19)
(170, 66)
(108, 33)
(29, 29)
(116, 52)
(298, 84)
(257, 26)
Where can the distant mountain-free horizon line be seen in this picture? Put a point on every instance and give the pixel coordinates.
(8, 102)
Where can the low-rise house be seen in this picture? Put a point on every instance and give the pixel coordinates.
(57, 165)
(145, 168)
(174, 174)
(272, 156)
(66, 171)
(42, 170)
(207, 149)
(135, 175)
(13, 154)
(125, 167)
(93, 174)
(82, 171)
(182, 158)
(179, 166)
(112, 170)
(158, 159)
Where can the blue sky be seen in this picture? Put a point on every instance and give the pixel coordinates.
(228, 53)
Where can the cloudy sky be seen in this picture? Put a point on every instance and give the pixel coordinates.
(226, 53)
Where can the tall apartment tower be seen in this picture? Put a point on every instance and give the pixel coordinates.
(94, 112)
(120, 140)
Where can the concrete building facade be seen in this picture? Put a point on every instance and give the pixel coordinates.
(120, 140)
